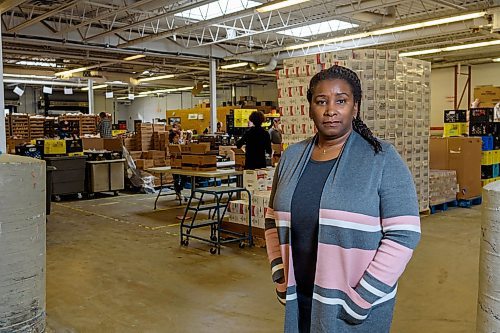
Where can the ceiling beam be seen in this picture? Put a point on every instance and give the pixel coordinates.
(42, 17)
(150, 19)
(335, 13)
(9, 4)
(88, 21)
(371, 41)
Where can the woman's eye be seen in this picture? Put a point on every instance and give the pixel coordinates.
(321, 102)
(341, 101)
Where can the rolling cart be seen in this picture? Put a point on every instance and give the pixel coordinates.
(216, 212)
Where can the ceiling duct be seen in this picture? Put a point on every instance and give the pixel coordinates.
(271, 66)
(388, 18)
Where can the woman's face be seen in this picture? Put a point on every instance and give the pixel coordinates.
(332, 108)
(176, 138)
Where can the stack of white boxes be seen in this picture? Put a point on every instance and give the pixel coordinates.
(395, 103)
(443, 186)
(259, 182)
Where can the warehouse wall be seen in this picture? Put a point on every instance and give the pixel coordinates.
(149, 108)
(442, 87)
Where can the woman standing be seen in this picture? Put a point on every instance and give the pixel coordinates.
(257, 143)
(344, 218)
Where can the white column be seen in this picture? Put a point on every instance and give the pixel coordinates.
(488, 302)
(3, 136)
(91, 96)
(213, 95)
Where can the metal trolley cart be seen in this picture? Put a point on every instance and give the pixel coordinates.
(216, 212)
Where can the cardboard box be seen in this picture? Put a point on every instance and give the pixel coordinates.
(136, 155)
(462, 155)
(199, 148)
(159, 163)
(154, 155)
(144, 164)
(198, 160)
(114, 144)
(93, 143)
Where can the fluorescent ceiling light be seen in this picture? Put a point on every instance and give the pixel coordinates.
(431, 23)
(388, 30)
(71, 71)
(96, 87)
(116, 82)
(279, 5)
(318, 28)
(328, 41)
(153, 78)
(421, 52)
(37, 63)
(239, 64)
(134, 57)
(29, 76)
(217, 9)
(163, 91)
(496, 60)
(450, 48)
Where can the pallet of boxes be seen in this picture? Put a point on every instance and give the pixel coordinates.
(259, 182)
(443, 188)
(198, 157)
(395, 103)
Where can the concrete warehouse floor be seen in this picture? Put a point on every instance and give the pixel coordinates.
(115, 265)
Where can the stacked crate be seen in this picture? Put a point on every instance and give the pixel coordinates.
(37, 127)
(490, 166)
(49, 127)
(395, 103)
(18, 126)
(74, 122)
(455, 123)
(88, 124)
(144, 136)
(481, 124)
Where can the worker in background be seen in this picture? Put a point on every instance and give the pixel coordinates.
(179, 181)
(275, 132)
(219, 127)
(257, 143)
(104, 126)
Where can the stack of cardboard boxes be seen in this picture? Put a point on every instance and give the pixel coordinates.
(144, 136)
(443, 186)
(198, 157)
(259, 182)
(489, 96)
(395, 103)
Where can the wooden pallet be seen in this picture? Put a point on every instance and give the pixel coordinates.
(425, 212)
(443, 206)
(468, 203)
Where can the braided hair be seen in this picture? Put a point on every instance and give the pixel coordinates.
(343, 73)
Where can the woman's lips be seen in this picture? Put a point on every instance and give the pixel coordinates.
(332, 123)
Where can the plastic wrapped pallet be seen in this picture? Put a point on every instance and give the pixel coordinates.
(443, 186)
(488, 309)
(22, 244)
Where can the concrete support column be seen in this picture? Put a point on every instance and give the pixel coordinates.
(213, 95)
(91, 96)
(3, 136)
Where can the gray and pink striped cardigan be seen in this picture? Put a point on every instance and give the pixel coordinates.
(369, 226)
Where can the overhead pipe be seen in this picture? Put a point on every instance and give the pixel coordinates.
(271, 66)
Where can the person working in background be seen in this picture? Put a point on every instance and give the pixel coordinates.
(104, 126)
(179, 181)
(275, 132)
(257, 142)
